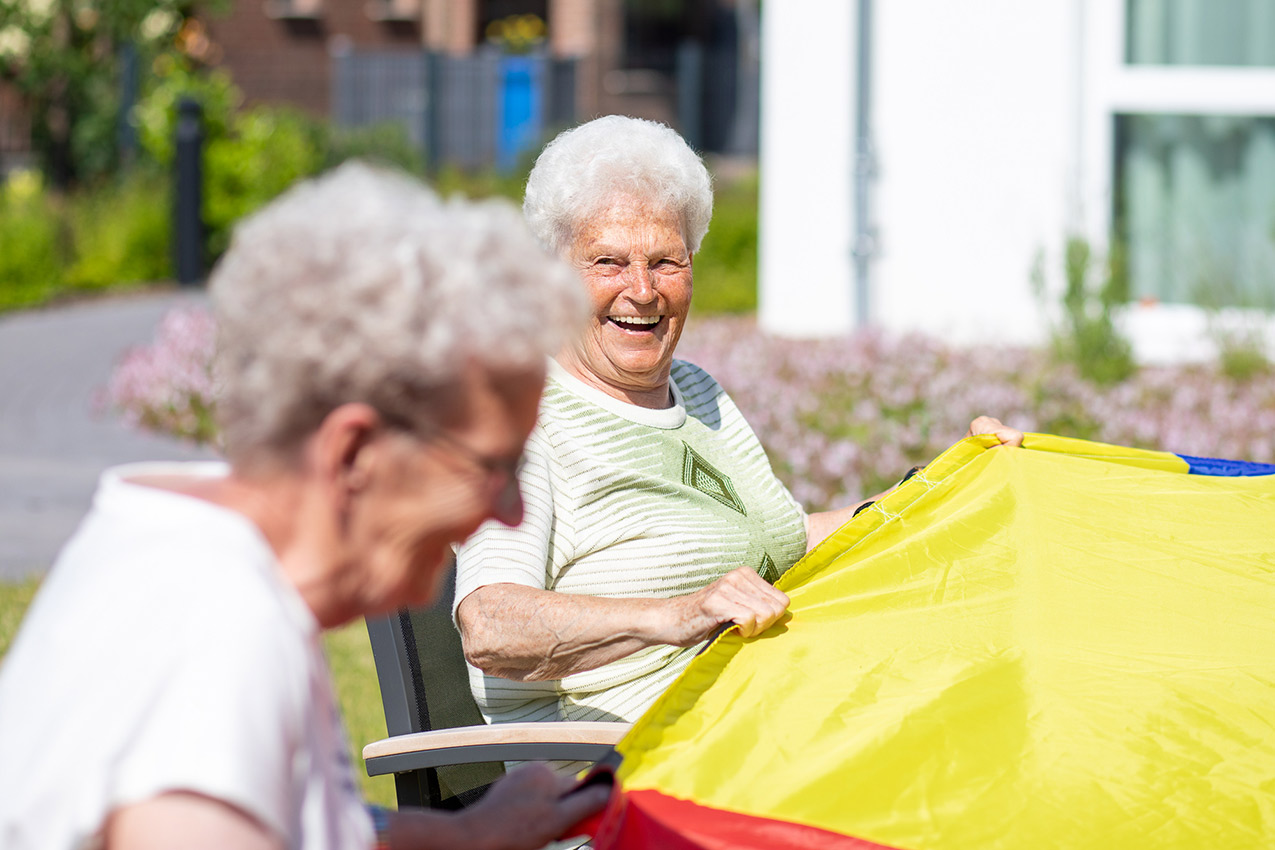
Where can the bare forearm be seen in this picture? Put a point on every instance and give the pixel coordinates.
(528, 634)
(820, 525)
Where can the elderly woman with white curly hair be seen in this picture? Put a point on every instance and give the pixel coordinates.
(652, 514)
(381, 357)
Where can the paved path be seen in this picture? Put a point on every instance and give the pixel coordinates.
(53, 444)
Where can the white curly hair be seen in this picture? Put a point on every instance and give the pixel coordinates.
(362, 286)
(586, 168)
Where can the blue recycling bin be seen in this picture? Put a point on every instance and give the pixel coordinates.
(520, 108)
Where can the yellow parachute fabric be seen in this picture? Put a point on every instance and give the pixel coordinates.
(1068, 645)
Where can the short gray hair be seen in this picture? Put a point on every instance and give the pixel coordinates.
(585, 168)
(362, 286)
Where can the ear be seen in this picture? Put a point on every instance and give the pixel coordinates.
(340, 451)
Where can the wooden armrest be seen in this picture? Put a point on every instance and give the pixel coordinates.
(567, 741)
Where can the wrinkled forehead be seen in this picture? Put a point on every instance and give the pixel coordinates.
(623, 220)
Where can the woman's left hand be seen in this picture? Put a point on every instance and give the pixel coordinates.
(990, 425)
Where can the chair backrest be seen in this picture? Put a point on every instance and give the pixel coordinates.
(424, 686)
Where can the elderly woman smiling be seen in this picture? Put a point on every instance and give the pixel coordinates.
(652, 514)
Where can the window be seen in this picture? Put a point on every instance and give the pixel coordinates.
(1194, 144)
(1233, 33)
(1195, 204)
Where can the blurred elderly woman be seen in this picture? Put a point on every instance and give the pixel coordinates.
(652, 515)
(382, 357)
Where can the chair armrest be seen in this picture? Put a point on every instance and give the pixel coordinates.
(552, 740)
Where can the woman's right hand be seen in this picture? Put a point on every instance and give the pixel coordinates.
(741, 597)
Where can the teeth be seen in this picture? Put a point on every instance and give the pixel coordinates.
(635, 320)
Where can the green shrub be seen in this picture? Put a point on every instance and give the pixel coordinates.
(1241, 343)
(1087, 336)
(250, 156)
(1242, 358)
(381, 144)
(726, 265)
(487, 183)
(30, 262)
(265, 151)
(120, 231)
(115, 232)
(1237, 317)
(155, 115)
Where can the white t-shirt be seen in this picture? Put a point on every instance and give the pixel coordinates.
(625, 501)
(166, 652)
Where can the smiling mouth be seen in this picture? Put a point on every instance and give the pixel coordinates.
(637, 324)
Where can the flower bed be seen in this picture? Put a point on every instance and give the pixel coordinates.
(841, 419)
(167, 386)
(846, 418)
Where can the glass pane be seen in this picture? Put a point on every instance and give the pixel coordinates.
(1200, 32)
(1195, 207)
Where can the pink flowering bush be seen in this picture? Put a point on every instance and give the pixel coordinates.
(843, 419)
(167, 386)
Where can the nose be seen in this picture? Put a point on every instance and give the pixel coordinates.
(641, 282)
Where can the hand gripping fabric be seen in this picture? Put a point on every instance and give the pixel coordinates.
(1068, 645)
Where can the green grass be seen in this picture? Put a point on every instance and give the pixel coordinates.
(354, 673)
(15, 597)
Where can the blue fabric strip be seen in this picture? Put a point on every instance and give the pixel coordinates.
(1217, 466)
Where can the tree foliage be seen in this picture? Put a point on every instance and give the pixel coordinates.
(65, 57)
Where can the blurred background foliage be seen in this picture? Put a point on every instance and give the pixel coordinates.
(75, 63)
(111, 228)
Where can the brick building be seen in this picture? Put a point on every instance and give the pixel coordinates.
(627, 56)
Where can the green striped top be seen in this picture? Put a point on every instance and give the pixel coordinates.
(625, 501)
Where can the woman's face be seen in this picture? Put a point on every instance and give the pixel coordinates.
(430, 491)
(637, 270)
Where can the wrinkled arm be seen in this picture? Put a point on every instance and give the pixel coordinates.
(529, 634)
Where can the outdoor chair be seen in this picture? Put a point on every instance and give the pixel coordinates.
(442, 754)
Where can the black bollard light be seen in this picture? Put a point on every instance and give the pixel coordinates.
(188, 194)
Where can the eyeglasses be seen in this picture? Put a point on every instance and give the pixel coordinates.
(500, 474)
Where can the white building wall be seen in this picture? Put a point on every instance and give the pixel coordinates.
(992, 127)
(974, 118)
(974, 125)
(807, 148)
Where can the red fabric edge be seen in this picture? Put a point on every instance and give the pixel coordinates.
(649, 819)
